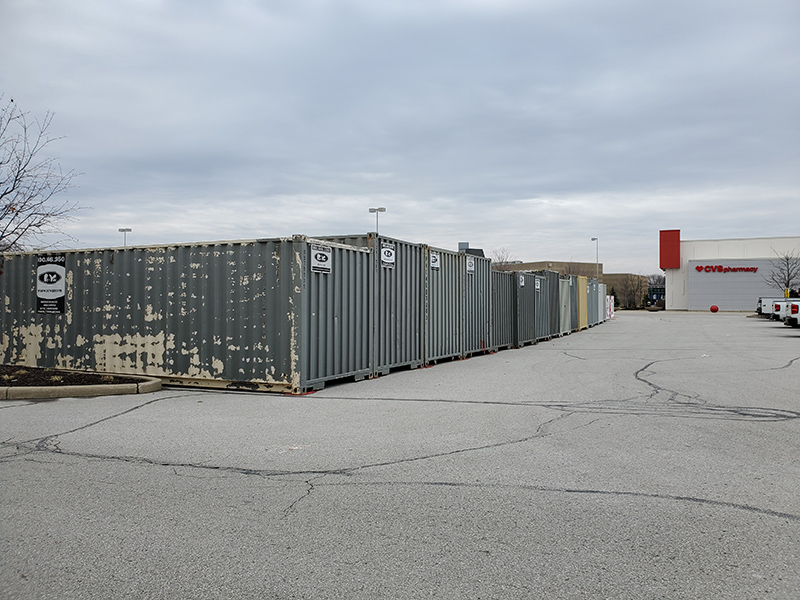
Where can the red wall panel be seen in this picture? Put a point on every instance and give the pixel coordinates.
(670, 249)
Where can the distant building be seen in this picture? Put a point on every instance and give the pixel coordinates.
(562, 268)
(728, 273)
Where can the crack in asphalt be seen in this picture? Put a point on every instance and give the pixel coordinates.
(50, 444)
(584, 491)
(676, 405)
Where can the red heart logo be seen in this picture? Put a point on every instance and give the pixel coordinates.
(699, 268)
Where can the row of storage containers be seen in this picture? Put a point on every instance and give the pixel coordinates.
(282, 314)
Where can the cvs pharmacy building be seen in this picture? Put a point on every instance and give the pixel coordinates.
(730, 274)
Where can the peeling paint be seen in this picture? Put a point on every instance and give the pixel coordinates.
(155, 316)
(31, 337)
(150, 315)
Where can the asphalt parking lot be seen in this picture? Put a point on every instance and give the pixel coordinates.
(653, 456)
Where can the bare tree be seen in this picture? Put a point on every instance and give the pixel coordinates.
(657, 279)
(632, 290)
(502, 259)
(29, 182)
(785, 273)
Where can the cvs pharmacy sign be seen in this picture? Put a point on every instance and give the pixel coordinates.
(724, 269)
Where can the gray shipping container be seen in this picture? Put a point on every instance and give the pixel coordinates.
(504, 310)
(591, 292)
(565, 301)
(277, 315)
(601, 303)
(542, 309)
(527, 307)
(444, 304)
(554, 312)
(398, 302)
(573, 299)
(477, 316)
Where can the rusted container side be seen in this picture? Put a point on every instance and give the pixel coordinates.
(247, 315)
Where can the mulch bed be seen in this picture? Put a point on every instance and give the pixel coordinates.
(31, 376)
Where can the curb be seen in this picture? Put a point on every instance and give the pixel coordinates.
(146, 385)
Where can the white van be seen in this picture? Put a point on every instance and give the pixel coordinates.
(765, 305)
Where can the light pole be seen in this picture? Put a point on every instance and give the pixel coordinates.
(596, 258)
(124, 231)
(377, 210)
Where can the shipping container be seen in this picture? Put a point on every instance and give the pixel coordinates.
(565, 302)
(477, 315)
(553, 303)
(527, 297)
(583, 314)
(398, 302)
(282, 314)
(573, 298)
(542, 309)
(591, 291)
(504, 310)
(601, 302)
(444, 304)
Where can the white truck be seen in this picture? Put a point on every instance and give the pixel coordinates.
(779, 309)
(793, 312)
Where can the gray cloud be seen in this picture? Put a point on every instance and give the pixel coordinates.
(528, 125)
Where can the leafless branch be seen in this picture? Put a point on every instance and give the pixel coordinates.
(785, 273)
(28, 181)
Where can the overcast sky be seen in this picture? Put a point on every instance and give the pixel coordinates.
(533, 126)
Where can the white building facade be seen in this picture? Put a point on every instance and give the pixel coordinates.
(730, 274)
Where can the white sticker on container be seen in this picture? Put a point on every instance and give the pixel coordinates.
(522, 281)
(51, 284)
(470, 265)
(434, 260)
(321, 259)
(387, 255)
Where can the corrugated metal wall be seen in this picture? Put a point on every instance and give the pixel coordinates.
(444, 304)
(477, 317)
(583, 314)
(504, 310)
(573, 296)
(592, 302)
(527, 307)
(565, 301)
(337, 317)
(399, 304)
(601, 302)
(542, 310)
(398, 320)
(553, 303)
(283, 314)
